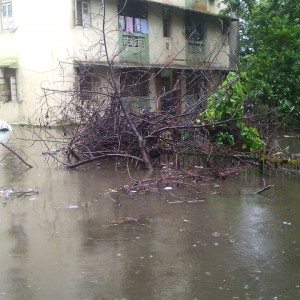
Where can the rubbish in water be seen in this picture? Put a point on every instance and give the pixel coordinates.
(186, 201)
(215, 193)
(215, 234)
(8, 192)
(129, 221)
(287, 223)
(168, 188)
(73, 206)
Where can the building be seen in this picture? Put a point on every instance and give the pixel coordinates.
(181, 46)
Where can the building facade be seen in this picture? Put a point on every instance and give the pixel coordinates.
(175, 49)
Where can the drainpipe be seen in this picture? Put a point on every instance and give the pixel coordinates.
(233, 42)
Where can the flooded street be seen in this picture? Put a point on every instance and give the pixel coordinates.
(67, 242)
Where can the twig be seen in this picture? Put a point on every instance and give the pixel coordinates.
(16, 154)
(263, 189)
(101, 157)
(186, 201)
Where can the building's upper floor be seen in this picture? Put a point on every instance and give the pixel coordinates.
(155, 32)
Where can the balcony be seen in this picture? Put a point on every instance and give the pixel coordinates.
(134, 47)
(133, 32)
(195, 51)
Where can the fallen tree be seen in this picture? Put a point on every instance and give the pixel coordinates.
(107, 120)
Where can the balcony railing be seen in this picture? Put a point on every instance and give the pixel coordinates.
(134, 47)
(196, 47)
(131, 42)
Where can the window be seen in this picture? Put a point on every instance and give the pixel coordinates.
(83, 13)
(134, 83)
(133, 17)
(6, 15)
(194, 27)
(166, 21)
(195, 90)
(225, 32)
(134, 87)
(196, 85)
(8, 85)
(85, 85)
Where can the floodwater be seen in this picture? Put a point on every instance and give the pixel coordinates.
(63, 243)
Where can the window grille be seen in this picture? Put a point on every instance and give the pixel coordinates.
(7, 21)
(196, 47)
(82, 13)
(133, 42)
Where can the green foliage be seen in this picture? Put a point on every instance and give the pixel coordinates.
(270, 47)
(251, 139)
(225, 138)
(227, 105)
(228, 102)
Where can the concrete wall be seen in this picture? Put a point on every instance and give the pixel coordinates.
(158, 53)
(46, 42)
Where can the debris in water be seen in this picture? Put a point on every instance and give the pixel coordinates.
(129, 221)
(287, 223)
(186, 201)
(215, 193)
(11, 193)
(215, 233)
(168, 188)
(73, 206)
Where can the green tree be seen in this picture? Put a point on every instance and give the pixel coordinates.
(270, 54)
(227, 106)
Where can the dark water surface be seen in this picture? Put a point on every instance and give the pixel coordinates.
(61, 244)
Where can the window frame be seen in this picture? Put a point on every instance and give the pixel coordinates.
(81, 18)
(195, 27)
(9, 89)
(166, 21)
(7, 22)
(86, 17)
(136, 10)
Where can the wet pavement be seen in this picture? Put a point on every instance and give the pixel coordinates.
(70, 241)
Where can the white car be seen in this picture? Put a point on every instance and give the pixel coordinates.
(5, 131)
(4, 126)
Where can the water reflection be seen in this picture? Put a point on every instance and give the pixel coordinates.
(62, 244)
